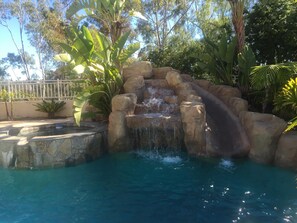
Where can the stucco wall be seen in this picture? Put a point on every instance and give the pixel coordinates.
(25, 109)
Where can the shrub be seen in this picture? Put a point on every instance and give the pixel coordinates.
(51, 108)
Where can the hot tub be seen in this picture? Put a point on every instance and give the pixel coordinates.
(52, 145)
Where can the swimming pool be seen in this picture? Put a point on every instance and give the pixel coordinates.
(149, 187)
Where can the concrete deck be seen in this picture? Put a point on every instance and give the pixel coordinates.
(6, 125)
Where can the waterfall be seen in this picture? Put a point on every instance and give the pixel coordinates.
(7, 158)
(156, 123)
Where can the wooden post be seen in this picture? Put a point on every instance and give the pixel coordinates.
(59, 93)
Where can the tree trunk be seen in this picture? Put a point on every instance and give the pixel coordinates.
(11, 110)
(7, 112)
(23, 54)
(237, 7)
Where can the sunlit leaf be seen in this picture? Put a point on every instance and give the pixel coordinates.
(63, 57)
(79, 69)
(137, 15)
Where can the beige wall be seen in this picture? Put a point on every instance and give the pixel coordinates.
(25, 109)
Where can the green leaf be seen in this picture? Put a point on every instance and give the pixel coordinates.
(292, 124)
(69, 49)
(127, 53)
(222, 47)
(78, 5)
(84, 43)
(230, 53)
(87, 35)
(96, 68)
(120, 43)
(79, 101)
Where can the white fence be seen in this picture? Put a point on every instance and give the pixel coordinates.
(38, 90)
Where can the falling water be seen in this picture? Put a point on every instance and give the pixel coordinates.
(157, 125)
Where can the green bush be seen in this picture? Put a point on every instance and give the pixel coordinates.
(286, 100)
(51, 107)
(179, 54)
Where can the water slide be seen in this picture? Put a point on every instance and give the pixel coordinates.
(225, 134)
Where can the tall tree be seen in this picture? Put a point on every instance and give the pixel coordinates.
(17, 9)
(272, 30)
(164, 18)
(3, 71)
(44, 29)
(15, 62)
(237, 8)
(211, 17)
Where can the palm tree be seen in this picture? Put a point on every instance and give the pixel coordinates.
(237, 7)
(110, 14)
(271, 78)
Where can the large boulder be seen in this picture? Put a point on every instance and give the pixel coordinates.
(224, 91)
(183, 86)
(124, 102)
(286, 153)
(183, 94)
(264, 131)
(156, 83)
(173, 78)
(186, 78)
(205, 84)
(193, 117)
(140, 68)
(237, 105)
(194, 98)
(161, 72)
(135, 85)
(118, 136)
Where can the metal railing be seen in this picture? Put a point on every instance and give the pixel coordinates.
(42, 90)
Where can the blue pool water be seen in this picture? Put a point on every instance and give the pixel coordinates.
(147, 187)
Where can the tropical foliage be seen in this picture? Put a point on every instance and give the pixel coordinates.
(219, 59)
(270, 79)
(246, 60)
(287, 98)
(98, 61)
(110, 15)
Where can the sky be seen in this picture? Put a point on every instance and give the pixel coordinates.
(7, 45)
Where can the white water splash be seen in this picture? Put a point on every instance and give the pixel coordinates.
(226, 165)
(171, 159)
(155, 156)
(153, 103)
